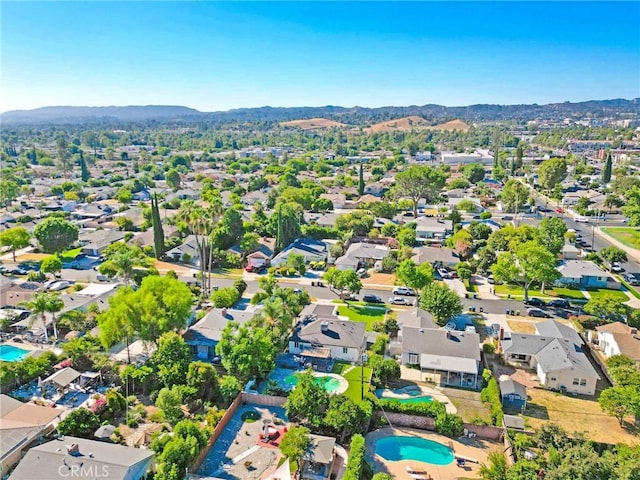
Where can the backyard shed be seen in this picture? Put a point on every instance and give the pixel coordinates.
(513, 394)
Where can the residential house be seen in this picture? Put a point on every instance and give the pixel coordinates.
(619, 339)
(570, 252)
(134, 214)
(320, 334)
(360, 254)
(557, 357)
(188, 252)
(448, 358)
(337, 199)
(367, 198)
(144, 239)
(513, 395)
(68, 456)
(436, 255)
(584, 274)
(312, 250)
(433, 228)
(570, 199)
(203, 337)
(21, 424)
(317, 461)
(326, 220)
(264, 254)
(93, 243)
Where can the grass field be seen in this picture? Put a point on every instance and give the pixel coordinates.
(354, 376)
(626, 235)
(617, 294)
(556, 292)
(366, 314)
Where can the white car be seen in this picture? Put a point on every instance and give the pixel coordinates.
(444, 273)
(582, 219)
(398, 301)
(615, 267)
(403, 291)
(61, 285)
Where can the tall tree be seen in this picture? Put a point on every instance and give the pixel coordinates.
(361, 182)
(419, 182)
(342, 282)
(474, 172)
(414, 276)
(247, 352)
(295, 443)
(40, 305)
(15, 238)
(55, 234)
(172, 177)
(551, 234)
(632, 207)
(529, 263)
(552, 172)
(307, 402)
(606, 171)
(513, 196)
(84, 170)
(120, 321)
(64, 156)
(51, 264)
(287, 218)
(441, 302)
(158, 232)
(172, 359)
(9, 191)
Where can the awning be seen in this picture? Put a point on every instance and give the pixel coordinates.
(316, 353)
(63, 378)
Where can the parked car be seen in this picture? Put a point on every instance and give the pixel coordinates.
(444, 273)
(403, 291)
(507, 218)
(362, 272)
(371, 299)
(102, 278)
(536, 312)
(348, 296)
(563, 313)
(60, 285)
(16, 271)
(398, 301)
(631, 279)
(559, 210)
(559, 303)
(535, 302)
(491, 280)
(582, 219)
(615, 267)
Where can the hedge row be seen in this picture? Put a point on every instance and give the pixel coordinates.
(491, 395)
(356, 462)
(428, 409)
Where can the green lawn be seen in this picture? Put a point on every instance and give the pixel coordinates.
(618, 295)
(366, 314)
(69, 255)
(556, 292)
(627, 235)
(354, 377)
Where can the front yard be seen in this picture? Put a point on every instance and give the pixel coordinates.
(354, 375)
(549, 293)
(617, 294)
(364, 313)
(626, 235)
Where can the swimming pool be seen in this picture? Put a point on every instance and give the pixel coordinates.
(9, 353)
(409, 395)
(330, 384)
(398, 448)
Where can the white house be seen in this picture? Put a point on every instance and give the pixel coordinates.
(619, 339)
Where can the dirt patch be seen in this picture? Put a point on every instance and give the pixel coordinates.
(379, 279)
(468, 403)
(164, 267)
(26, 257)
(313, 124)
(522, 327)
(407, 123)
(575, 414)
(452, 125)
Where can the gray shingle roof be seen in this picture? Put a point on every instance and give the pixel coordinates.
(209, 329)
(553, 328)
(580, 268)
(335, 333)
(441, 343)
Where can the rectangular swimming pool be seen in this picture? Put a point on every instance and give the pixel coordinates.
(9, 353)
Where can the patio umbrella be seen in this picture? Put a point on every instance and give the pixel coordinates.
(104, 431)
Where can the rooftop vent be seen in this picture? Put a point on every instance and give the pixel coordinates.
(324, 327)
(73, 449)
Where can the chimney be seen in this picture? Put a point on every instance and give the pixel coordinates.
(324, 327)
(73, 449)
(448, 334)
(224, 312)
(633, 331)
(501, 336)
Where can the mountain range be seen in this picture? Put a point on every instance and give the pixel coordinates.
(350, 116)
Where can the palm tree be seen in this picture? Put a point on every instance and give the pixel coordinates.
(41, 304)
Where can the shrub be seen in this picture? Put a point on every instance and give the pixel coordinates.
(355, 463)
(449, 424)
(488, 348)
(380, 345)
(490, 394)
(240, 285)
(429, 409)
(225, 297)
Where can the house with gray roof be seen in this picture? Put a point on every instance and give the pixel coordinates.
(66, 456)
(430, 228)
(513, 394)
(435, 255)
(94, 242)
(448, 358)
(583, 273)
(203, 337)
(362, 254)
(557, 357)
(312, 250)
(188, 252)
(320, 333)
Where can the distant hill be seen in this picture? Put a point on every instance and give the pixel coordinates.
(313, 124)
(355, 116)
(412, 122)
(83, 114)
(452, 125)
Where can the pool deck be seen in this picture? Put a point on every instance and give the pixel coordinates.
(475, 448)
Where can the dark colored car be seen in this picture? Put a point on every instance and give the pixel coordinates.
(559, 303)
(536, 312)
(371, 299)
(562, 313)
(535, 302)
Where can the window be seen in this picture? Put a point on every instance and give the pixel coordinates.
(296, 344)
(553, 379)
(345, 350)
(583, 382)
(413, 359)
(194, 349)
(576, 381)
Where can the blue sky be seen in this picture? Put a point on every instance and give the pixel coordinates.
(217, 56)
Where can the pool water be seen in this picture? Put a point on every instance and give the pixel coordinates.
(9, 353)
(414, 448)
(330, 384)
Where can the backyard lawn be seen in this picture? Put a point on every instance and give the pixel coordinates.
(361, 313)
(70, 255)
(625, 235)
(555, 292)
(354, 376)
